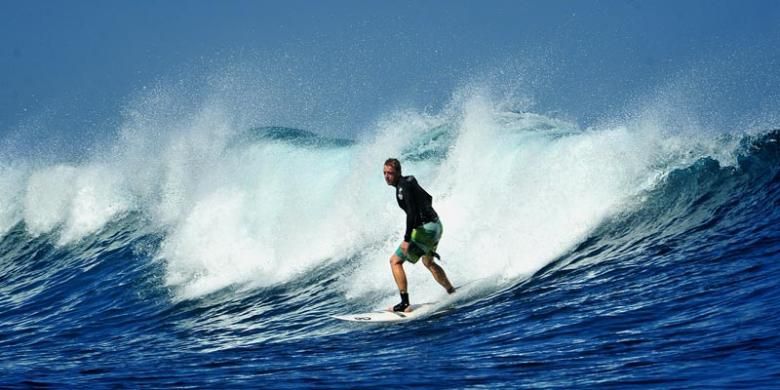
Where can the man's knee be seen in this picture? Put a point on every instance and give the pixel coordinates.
(428, 261)
(395, 260)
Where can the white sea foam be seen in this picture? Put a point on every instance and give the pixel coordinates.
(80, 201)
(11, 183)
(514, 192)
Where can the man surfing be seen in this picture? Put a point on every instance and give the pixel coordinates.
(423, 231)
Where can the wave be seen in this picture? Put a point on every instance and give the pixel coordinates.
(210, 245)
(263, 206)
(703, 208)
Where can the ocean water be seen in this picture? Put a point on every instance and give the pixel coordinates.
(191, 252)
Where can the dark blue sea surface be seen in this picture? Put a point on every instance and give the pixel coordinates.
(676, 288)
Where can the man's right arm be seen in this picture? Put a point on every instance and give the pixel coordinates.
(411, 206)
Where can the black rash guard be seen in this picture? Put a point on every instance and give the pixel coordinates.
(416, 203)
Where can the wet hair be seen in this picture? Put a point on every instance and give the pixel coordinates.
(392, 162)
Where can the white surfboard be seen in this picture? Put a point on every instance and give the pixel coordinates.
(418, 310)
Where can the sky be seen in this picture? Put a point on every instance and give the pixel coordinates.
(335, 67)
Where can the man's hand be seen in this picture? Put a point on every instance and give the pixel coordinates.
(405, 247)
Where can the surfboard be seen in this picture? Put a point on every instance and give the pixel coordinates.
(418, 310)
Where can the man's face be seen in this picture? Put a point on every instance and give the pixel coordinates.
(391, 176)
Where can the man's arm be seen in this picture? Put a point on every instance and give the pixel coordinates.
(410, 200)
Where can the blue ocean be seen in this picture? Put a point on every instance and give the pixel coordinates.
(190, 250)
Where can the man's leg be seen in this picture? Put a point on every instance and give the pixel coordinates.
(397, 265)
(438, 274)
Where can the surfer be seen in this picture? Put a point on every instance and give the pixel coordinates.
(423, 231)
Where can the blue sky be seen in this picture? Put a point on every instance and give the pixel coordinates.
(71, 67)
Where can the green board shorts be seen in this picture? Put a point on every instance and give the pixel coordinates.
(425, 239)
